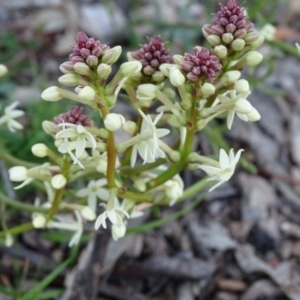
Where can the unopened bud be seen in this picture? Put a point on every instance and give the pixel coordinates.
(170, 93)
(82, 68)
(220, 51)
(238, 44)
(242, 86)
(232, 76)
(250, 37)
(158, 76)
(214, 40)
(39, 150)
(58, 181)
(39, 221)
(254, 115)
(114, 121)
(243, 106)
(92, 61)
(3, 70)
(111, 55)
(87, 94)
(52, 94)
(240, 33)
(130, 68)
(207, 89)
(69, 79)
(17, 173)
(257, 43)
(129, 127)
(88, 213)
(176, 77)
(146, 93)
(178, 59)
(9, 240)
(253, 58)
(67, 67)
(49, 127)
(165, 69)
(227, 38)
(103, 71)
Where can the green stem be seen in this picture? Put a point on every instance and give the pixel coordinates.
(20, 205)
(136, 197)
(285, 47)
(111, 149)
(15, 161)
(161, 222)
(59, 193)
(194, 189)
(168, 174)
(18, 229)
(142, 168)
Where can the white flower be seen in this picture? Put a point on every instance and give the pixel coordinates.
(116, 214)
(20, 173)
(268, 31)
(242, 107)
(174, 189)
(93, 191)
(149, 149)
(65, 224)
(298, 47)
(10, 113)
(227, 164)
(82, 139)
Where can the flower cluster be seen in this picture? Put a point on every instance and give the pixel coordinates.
(87, 50)
(152, 55)
(201, 64)
(173, 98)
(74, 116)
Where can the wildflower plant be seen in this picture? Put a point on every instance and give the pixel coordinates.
(117, 178)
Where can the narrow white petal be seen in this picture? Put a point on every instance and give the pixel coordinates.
(133, 156)
(103, 194)
(236, 159)
(91, 139)
(215, 186)
(92, 201)
(230, 118)
(67, 133)
(160, 132)
(16, 113)
(243, 117)
(157, 118)
(83, 193)
(210, 170)
(112, 215)
(80, 145)
(223, 159)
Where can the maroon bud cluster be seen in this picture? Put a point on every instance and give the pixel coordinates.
(201, 64)
(87, 50)
(74, 116)
(152, 55)
(232, 19)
